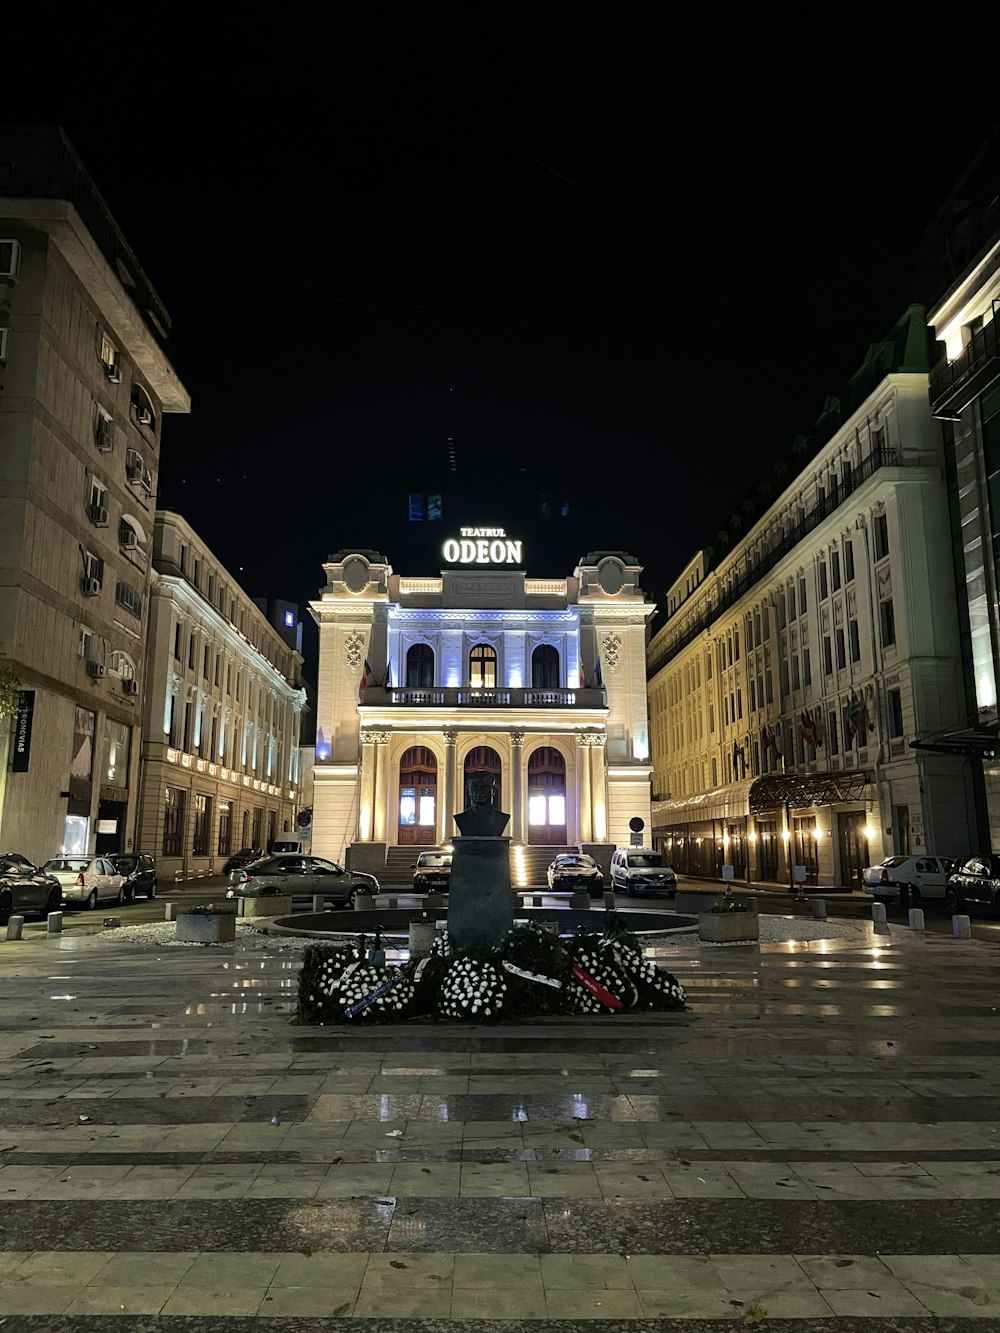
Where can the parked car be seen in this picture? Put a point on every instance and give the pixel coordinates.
(139, 871)
(304, 877)
(242, 858)
(908, 879)
(976, 882)
(26, 890)
(432, 870)
(86, 880)
(576, 870)
(639, 870)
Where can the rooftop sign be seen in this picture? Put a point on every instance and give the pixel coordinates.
(482, 546)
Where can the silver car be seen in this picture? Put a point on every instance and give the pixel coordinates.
(26, 890)
(304, 877)
(86, 880)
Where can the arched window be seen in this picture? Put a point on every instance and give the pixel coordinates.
(483, 667)
(546, 796)
(122, 665)
(545, 667)
(417, 813)
(420, 666)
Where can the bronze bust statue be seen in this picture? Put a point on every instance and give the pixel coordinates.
(482, 819)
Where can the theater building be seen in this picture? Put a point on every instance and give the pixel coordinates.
(423, 679)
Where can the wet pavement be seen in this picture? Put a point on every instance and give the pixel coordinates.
(813, 1144)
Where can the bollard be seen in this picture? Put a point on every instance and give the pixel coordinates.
(319, 903)
(53, 923)
(436, 900)
(15, 924)
(240, 904)
(536, 900)
(364, 902)
(819, 909)
(580, 902)
(916, 918)
(961, 927)
(393, 904)
(878, 917)
(170, 912)
(609, 899)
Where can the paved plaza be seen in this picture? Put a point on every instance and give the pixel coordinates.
(813, 1144)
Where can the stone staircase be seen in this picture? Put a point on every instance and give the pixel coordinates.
(528, 865)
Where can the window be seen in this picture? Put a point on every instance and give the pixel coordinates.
(848, 562)
(218, 669)
(128, 598)
(878, 439)
(128, 535)
(174, 804)
(802, 597)
(855, 640)
(831, 731)
(97, 504)
(796, 681)
(93, 573)
(894, 707)
(770, 688)
(178, 637)
(545, 667)
(824, 588)
(783, 669)
(122, 665)
(202, 824)
(197, 575)
(109, 356)
(10, 258)
(225, 828)
(104, 429)
(136, 471)
(841, 650)
(205, 662)
(791, 602)
(806, 668)
(880, 528)
(483, 667)
(4, 335)
(827, 656)
(191, 649)
(835, 569)
(887, 623)
(142, 407)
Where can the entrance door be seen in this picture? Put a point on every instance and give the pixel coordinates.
(547, 797)
(767, 834)
(853, 846)
(804, 828)
(483, 758)
(417, 797)
(901, 830)
(110, 827)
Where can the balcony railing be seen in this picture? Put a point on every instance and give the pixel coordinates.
(832, 501)
(955, 385)
(439, 696)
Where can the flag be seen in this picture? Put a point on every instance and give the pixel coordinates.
(853, 717)
(387, 679)
(598, 678)
(864, 720)
(808, 727)
(367, 675)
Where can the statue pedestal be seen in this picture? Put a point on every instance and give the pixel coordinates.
(480, 907)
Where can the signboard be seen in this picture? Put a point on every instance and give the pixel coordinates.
(22, 731)
(636, 824)
(635, 839)
(728, 872)
(107, 826)
(304, 818)
(482, 546)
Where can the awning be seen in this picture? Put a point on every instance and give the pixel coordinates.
(722, 803)
(758, 796)
(982, 740)
(137, 527)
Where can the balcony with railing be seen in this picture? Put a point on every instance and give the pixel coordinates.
(954, 386)
(440, 696)
(772, 556)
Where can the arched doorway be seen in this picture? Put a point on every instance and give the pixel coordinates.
(545, 667)
(547, 796)
(483, 667)
(420, 666)
(482, 757)
(417, 797)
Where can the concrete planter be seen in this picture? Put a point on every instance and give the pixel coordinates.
(727, 927)
(266, 906)
(206, 928)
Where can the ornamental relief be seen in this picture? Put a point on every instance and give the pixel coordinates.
(884, 583)
(852, 603)
(354, 647)
(611, 646)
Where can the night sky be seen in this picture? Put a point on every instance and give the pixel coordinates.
(620, 267)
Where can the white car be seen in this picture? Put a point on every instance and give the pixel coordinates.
(640, 870)
(86, 880)
(920, 877)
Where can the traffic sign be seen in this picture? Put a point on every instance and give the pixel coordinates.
(636, 824)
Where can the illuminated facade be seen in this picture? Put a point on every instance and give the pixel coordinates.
(85, 381)
(423, 679)
(795, 668)
(223, 703)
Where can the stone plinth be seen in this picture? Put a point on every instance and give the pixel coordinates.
(480, 906)
(206, 927)
(727, 927)
(271, 905)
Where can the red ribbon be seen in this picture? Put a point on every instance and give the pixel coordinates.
(598, 991)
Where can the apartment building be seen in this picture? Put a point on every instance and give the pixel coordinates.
(223, 700)
(800, 658)
(85, 382)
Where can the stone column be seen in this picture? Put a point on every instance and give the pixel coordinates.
(447, 825)
(381, 805)
(599, 787)
(516, 786)
(366, 797)
(584, 802)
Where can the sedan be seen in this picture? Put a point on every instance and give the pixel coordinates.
(576, 870)
(139, 871)
(26, 890)
(304, 877)
(432, 870)
(86, 880)
(976, 882)
(907, 879)
(243, 858)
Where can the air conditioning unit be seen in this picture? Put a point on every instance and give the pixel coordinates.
(112, 373)
(133, 468)
(143, 416)
(95, 669)
(98, 515)
(10, 260)
(91, 587)
(130, 686)
(127, 537)
(104, 434)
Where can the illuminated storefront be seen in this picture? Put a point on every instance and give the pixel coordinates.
(423, 680)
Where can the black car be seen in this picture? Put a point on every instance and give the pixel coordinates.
(25, 890)
(976, 882)
(243, 858)
(576, 870)
(139, 871)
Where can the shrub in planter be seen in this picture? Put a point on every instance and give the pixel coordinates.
(730, 905)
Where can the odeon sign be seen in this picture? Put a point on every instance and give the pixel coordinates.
(482, 546)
